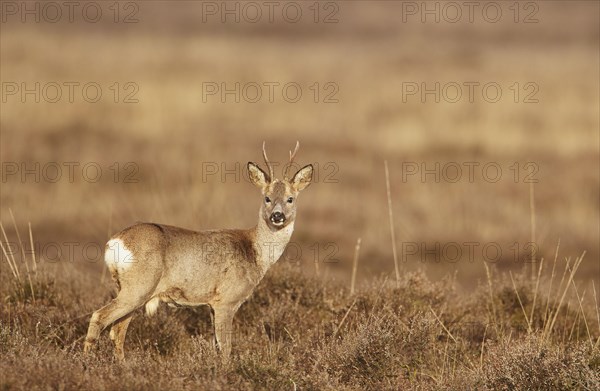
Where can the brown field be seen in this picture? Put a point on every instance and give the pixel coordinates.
(448, 325)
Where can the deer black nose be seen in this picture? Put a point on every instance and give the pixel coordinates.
(278, 217)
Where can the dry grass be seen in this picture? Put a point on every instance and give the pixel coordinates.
(453, 325)
(297, 331)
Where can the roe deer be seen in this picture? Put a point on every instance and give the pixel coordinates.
(153, 263)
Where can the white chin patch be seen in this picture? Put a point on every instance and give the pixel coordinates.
(278, 224)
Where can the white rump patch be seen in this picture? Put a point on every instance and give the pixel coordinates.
(152, 306)
(117, 256)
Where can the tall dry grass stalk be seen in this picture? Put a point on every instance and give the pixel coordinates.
(8, 252)
(581, 310)
(442, 324)
(355, 266)
(550, 325)
(12, 216)
(532, 220)
(391, 216)
(537, 285)
(32, 248)
(560, 285)
(491, 291)
(482, 349)
(597, 313)
(551, 280)
(339, 327)
(13, 266)
(529, 330)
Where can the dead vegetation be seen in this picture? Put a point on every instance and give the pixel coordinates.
(300, 332)
(441, 325)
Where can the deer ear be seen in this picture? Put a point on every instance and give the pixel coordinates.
(258, 176)
(302, 178)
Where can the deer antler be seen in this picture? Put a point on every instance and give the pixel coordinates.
(269, 165)
(292, 156)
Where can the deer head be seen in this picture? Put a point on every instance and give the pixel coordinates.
(278, 208)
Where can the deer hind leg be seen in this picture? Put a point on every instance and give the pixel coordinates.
(136, 287)
(121, 306)
(115, 278)
(118, 332)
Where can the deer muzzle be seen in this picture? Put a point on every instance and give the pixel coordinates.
(277, 218)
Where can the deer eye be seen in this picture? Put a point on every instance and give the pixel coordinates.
(267, 200)
(290, 200)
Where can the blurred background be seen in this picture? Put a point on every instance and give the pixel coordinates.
(120, 112)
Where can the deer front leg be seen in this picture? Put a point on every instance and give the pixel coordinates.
(223, 324)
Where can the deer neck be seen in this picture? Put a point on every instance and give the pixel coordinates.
(271, 244)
